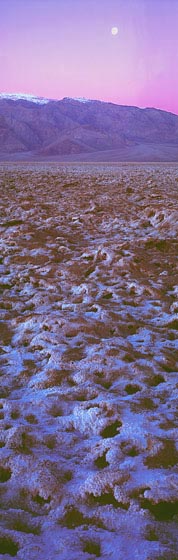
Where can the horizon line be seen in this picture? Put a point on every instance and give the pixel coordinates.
(133, 162)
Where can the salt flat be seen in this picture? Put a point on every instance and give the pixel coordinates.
(89, 367)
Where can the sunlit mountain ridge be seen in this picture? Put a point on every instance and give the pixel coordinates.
(80, 129)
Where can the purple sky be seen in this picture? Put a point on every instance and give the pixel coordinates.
(58, 48)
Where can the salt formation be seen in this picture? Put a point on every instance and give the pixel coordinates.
(88, 362)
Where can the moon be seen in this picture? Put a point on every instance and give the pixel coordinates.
(114, 30)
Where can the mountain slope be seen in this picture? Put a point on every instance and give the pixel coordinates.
(38, 128)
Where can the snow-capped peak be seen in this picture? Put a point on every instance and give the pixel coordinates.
(41, 100)
(25, 97)
(80, 99)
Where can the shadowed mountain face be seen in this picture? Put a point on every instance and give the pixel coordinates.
(85, 131)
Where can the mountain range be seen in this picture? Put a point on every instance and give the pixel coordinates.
(76, 129)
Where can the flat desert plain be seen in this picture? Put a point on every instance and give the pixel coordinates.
(89, 367)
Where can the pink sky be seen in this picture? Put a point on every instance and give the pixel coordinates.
(58, 48)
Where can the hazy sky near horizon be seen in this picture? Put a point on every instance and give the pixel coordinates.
(59, 48)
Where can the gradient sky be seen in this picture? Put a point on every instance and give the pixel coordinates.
(59, 48)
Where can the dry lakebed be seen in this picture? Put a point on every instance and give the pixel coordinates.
(89, 361)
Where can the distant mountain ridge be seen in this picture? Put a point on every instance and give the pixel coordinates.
(79, 129)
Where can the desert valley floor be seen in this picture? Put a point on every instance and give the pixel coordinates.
(88, 358)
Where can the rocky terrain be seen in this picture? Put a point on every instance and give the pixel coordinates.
(89, 367)
(84, 130)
